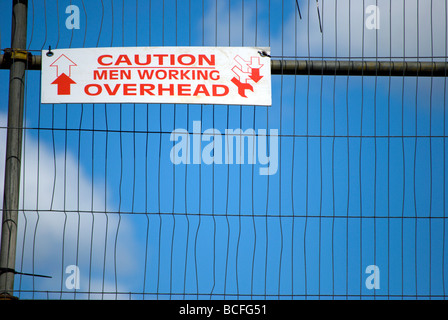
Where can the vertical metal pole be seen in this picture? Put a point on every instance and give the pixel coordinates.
(13, 148)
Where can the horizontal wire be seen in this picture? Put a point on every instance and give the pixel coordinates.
(216, 214)
(232, 134)
(232, 294)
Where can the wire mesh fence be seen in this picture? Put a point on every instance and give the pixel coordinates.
(337, 191)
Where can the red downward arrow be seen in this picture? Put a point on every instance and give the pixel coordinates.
(63, 82)
(255, 75)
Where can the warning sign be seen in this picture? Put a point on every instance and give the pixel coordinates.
(186, 75)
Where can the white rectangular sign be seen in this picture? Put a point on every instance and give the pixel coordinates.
(187, 75)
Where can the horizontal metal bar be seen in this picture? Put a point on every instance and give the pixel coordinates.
(319, 67)
(358, 68)
(34, 62)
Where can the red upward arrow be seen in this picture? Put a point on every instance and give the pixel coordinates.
(255, 75)
(63, 82)
(63, 65)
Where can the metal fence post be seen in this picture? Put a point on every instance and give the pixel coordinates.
(19, 58)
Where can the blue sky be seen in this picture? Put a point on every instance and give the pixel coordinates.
(287, 234)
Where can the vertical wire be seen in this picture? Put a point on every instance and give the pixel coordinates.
(213, 171)
(280, 166)
(375, 143)
(146, 167)
(360, 160)
(105, 167)
(186, 167)
(333, 144)
(136, 22)
(239, 184)
(78, 172)
(415, 159)
(293, 156)
(105, 201)
(65, 192)
(388, 153)
(444, 157)
(200, 168)
(403, 151)
(85, 32)
(228, 182)
(430, 153)
(307, 150)
(159, 169)
(134, 124)
(79, 157)
(320, 159)
(93, 151)
(146, 170)
(119, 203)
(72, 33)
(267, 183)
(174, 173)
(57, 14)
(348, 152)
(101, 23)
(121, 169)
(200, 183)
(37, 195)
(92, 197)
(253, 155)
(133, 118)
(31, 36)
(38, 162)
(52, 124)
